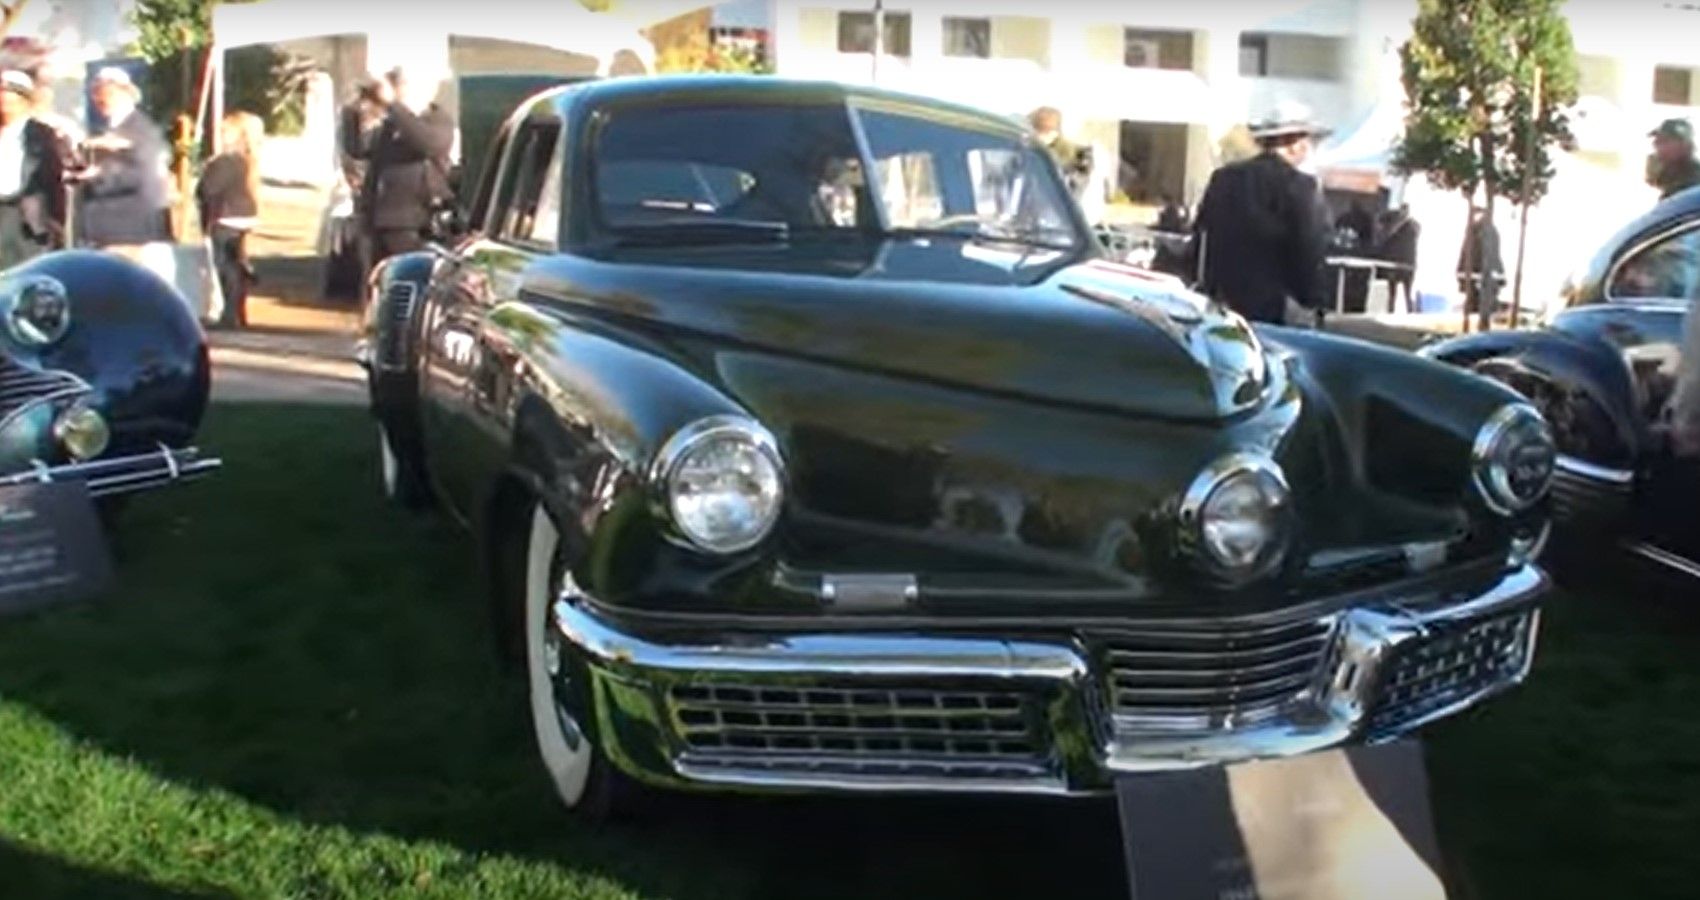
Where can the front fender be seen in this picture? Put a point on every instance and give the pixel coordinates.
(590, 415)
(1583, 387)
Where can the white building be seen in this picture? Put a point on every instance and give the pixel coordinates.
(1158, 86)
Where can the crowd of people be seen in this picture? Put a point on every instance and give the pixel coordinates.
(395, 145)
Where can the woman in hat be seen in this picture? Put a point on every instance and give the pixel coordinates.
(228, 198)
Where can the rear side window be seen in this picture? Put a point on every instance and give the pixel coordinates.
(1667, 269)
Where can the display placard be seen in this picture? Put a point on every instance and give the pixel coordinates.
(52, 549)
(1337, 825)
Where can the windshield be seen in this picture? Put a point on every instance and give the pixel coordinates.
(753, 172)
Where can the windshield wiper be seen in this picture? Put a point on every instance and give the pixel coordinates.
(975, 228)
(704, 231)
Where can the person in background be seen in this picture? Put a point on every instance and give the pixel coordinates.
(1398, 245)
(32, 191)
(1046, 122)
(228, 201)
(123, 201)
(407, 166)
(1171, 217)
(1261, 233)
(1479, 261)
(361, 120)
(1672, 167)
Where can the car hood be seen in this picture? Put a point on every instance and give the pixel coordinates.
(998, 319)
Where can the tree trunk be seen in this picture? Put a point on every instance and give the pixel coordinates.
(1488, 293)
(9, 15)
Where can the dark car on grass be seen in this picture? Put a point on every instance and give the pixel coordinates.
(104, 376)
(1602, 369)
(811, 444)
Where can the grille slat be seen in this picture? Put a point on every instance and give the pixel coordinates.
(1196, 679)
(863, 731)
(399, 301)
(21, 386)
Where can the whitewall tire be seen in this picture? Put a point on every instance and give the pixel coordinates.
(400, 472)
(562, 745)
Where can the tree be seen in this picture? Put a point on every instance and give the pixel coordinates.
(1475, 122)
(9, 13)
(697, 54)
(174, 37)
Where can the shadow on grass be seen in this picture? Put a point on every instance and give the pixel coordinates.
(27, 874)
(284, 636)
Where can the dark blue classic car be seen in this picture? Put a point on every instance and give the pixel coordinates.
(811, 444)
(103, 376)
(1602, 370)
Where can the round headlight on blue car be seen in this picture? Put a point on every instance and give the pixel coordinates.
(1513, 459)
(722, 483)
(37, 309)
(1235, 518)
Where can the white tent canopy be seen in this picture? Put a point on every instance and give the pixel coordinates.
(607, 45)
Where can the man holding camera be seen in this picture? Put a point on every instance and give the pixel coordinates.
(407, 163)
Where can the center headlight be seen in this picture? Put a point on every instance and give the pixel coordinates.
(1235, 516)
(1513, 459)
(37, 309)
(723, 483)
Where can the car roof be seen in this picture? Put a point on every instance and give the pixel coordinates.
(768, 88)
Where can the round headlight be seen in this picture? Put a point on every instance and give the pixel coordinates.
(1513, 459)
(37, 309)
(723, 483)
(1235, 514)
(82, 431)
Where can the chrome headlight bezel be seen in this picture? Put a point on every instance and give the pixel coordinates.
(24, 323)
(1489, 471)
(680, 450)
(1198, 511)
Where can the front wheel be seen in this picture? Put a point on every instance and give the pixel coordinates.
(583, 778)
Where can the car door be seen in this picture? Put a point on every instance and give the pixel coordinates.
(467, 373)
(1651, 290)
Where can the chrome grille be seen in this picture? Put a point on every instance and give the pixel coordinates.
(1429, 675)
(398, 306)
(1209, 679)
(878, 731)
(21, 386)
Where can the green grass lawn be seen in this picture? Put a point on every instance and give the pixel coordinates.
(293, 695)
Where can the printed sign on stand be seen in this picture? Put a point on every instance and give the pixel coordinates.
(1338, 825)
(52, 549)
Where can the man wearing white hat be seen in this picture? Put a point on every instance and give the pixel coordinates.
(124, 200)
(31, 175)
(1262, 231)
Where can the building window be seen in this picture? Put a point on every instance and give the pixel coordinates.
(856, 33)
(1254, 55)
(967, 37)
(1673, 86)
(1146, 49)
(1275, 55)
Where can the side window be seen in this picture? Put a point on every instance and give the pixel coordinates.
(531, 170)
(487, 180)
(1668, 269)
(909, 184)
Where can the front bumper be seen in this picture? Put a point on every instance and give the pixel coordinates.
(110, 476)
(1046, 712)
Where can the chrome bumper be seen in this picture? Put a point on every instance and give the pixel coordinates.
(109, 476)
(1051, 713)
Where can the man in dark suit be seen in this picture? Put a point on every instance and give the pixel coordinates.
(1261, 235)
(32, 209)
(1399, 237)
(124, 201)
(407, 166)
